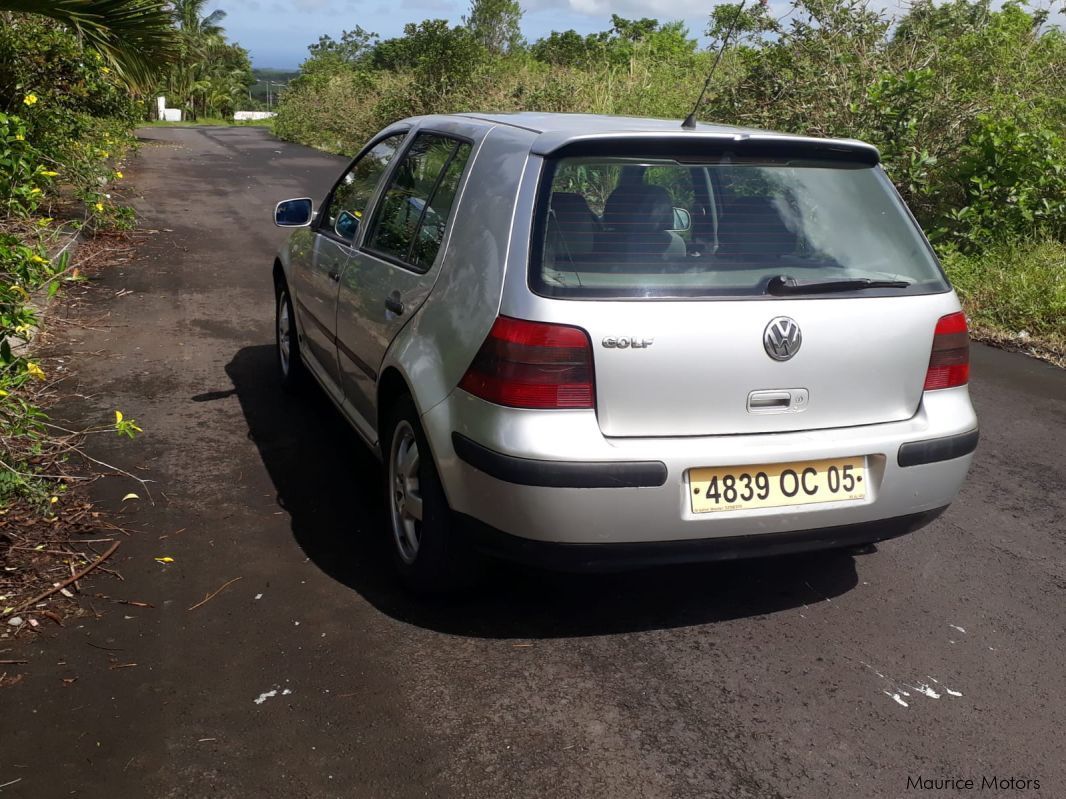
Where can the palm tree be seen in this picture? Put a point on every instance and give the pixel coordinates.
(137, 37)
(202, 36)
(187, 15)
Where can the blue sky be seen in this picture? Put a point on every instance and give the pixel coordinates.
(277, 32)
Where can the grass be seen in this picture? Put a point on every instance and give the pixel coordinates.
(1015, 292)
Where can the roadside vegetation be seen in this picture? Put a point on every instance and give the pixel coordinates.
(65, 114)
(76, 76)
(967, 105)
(73, 77)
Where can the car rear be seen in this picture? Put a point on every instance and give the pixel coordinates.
(709, 347)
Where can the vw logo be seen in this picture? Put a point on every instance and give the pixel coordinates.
(782, 338)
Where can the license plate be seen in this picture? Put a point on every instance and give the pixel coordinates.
(777, 484)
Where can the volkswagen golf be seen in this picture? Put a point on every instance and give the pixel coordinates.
(592, 342)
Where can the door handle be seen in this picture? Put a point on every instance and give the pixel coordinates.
(769, 400)
(786, 400)
(394, 304)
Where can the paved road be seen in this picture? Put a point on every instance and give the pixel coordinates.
(314, 676)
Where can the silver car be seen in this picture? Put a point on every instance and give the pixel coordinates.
(597, 342)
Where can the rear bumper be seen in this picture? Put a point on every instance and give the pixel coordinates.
(651, 474)
(620, 557)
(934, 450)
(557, 474)
(552, 477)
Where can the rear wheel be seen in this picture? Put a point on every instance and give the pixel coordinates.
(290, 365)
(428, 554)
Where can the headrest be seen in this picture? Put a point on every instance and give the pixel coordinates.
(639, 208)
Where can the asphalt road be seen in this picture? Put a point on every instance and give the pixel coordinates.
(315, 676)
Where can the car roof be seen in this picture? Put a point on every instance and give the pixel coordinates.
(554, 131)
(542, 122)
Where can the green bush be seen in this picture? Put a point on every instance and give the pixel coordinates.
(64, 118)
(75, 114)
(1014, 287)
(1014, 180)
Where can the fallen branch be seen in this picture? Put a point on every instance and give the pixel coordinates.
(211, 596)
(69, 580)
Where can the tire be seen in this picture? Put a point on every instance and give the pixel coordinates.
(429, 555)
(291, 371)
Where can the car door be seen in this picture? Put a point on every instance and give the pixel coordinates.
(336, 229)
(392, 272)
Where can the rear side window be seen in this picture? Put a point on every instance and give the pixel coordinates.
(649, 227)
(413, 213)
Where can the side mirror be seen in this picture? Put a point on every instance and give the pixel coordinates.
(347, 225)
(682, 220)
(294, 213)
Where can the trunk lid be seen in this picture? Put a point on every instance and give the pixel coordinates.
(701, 368)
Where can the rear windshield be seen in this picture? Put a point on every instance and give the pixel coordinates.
(636, 227)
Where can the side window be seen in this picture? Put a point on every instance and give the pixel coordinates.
(352, 193)
(412, 216)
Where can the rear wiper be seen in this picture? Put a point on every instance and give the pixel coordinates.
(783, 285)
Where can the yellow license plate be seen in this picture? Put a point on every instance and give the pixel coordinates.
(777, 484)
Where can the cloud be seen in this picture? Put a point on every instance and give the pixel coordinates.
(663, 9)
(440, 7)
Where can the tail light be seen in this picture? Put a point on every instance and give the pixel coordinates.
(532, 365)
(949, 362)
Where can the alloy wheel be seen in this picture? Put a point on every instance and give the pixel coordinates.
(405, 492)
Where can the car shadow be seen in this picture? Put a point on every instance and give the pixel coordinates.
(329, 483)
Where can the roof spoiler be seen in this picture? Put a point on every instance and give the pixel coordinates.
(701, 145)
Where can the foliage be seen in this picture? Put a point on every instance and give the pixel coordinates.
(733, 22)
(966, 104)
(1017, 288)
(1013, 177)
(496, 24)
(22, 178)
(73, 113)
(624, 45)
(65, 116)
(135, 36)
(210, 76)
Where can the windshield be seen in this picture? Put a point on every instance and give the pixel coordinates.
(634, 227)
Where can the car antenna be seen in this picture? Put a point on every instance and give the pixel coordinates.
(690, 120)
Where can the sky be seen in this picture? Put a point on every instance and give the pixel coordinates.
(277, 32)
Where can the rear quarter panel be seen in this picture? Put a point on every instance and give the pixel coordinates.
(434, 350)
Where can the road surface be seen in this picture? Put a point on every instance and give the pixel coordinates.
(939, 656)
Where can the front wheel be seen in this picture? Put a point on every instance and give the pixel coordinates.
(428, 554)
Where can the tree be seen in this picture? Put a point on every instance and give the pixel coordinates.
(135, 36)
(568, 48)
(746, 24)
(354, 46)
(626, 41)
(210, 74)
(187, 15)
(496, 24)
